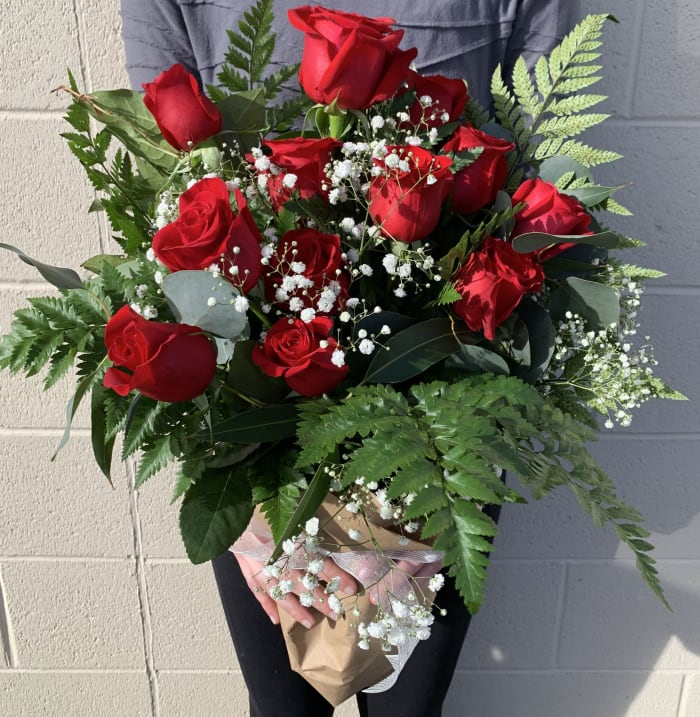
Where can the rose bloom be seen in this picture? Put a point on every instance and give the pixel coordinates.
(306, 158)
(183, 113)
(449, 96)
(405, 202)
(301, 354)
(324, 266)
(477, 185)
(350, 59)
(208, 232)
(492, 282)
(166, 362)
(548, 210)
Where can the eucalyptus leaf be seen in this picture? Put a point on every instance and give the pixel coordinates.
(189, 294)
(533, 241)
(244, 114)
(214, 512)
(590, 196)
(542, 334)
(553, 168)
(60, 277)
(598, 304)
(259, 425)
(413, 350)
(124, 112)
(476, 359)
(248, 379)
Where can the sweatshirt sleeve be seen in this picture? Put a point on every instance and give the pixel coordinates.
(538, 27)
(155, 38)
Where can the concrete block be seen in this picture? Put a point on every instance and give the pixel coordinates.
(63, 508)
(36, 46)
(653, 475)
(555, 694)
(203, 694)
(668, 84)
(618, 54)
(189, 627)
(75, 615)
(160, 533)
(690, 705)
(660, 164)
(613, 621)
(104, 50)
(507, 633)
(97, 694)
(44, 195)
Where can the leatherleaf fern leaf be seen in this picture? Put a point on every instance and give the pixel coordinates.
(444, 444)
(545, 108)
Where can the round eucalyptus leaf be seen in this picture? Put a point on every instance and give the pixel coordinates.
(199, 299)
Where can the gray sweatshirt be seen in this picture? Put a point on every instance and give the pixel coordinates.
(457, 38)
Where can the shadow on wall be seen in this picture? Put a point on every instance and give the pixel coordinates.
(568, 627)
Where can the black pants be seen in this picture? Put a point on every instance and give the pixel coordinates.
(276, 691)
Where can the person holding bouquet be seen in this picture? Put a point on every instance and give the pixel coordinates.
(455, 39)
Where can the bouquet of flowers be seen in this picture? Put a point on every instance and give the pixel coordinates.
(346, 315)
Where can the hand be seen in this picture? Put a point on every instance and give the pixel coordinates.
(260, 584)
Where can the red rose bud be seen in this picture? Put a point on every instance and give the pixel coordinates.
(349, 59)
(448, 99)
(304, 158)
(303, 355)
(207, 233)
(406, 199)
(492, 282)
(477, 185)
(183, 113)
(166, 362)
(548, 210)
(307, 268)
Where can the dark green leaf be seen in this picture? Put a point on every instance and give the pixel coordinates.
(214, 512)
(533, 241)
(598, 304)
(259, 425)
(60, 277)
(102, 445)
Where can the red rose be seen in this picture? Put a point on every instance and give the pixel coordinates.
(183, 113)
(492, 282)
(476, 185)
(308, 265)
(208, 232)
(406, 199)
(304, 158)
(301, 353)
(449, 96)
(167, 362)
(549, 211)
(350, 59)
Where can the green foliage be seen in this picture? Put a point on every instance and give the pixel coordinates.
(442, 441)
(247, 59)
(543, 115)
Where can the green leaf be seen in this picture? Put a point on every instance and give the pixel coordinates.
(214, 513)
(598, 304)
(280, 508)
(476, 359)
(60, 277)
(244, 115)
(102, 445)
(542, 337)
(312, 498)
(259, 425)
(189, 294)
(591, 196)
(124, 112)
(413, 350)
(534, 241)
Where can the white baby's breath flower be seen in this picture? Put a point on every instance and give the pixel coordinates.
(335, 604)
(315, 566)
(306, 599)
(338, 358)
(240, 304)
(333, 585)
(288, 547)
(289, 180)
(311, 526)
(436, 582)
(307, 315)
(366, 347)
(354, 534)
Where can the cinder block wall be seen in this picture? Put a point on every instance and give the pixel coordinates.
(101, 614)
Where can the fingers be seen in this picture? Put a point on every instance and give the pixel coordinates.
(348, 584)
(251, 572)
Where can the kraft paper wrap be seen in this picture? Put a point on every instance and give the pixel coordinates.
(327, 655)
